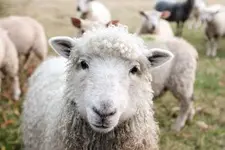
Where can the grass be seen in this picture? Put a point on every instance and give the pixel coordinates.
(209, 86)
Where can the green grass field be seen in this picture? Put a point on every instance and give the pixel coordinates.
(209, 90)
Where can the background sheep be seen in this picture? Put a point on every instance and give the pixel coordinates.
(215, 27)
(196, 21)
(111, 109)
(84, 25)
(28, 36)
(178, 76)
(9, 64)
(94, 11)
(180, 12)
(153, 24)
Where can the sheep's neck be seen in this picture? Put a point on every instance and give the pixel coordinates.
(133, 134)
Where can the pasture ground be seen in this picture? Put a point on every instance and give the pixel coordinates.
(209, 87)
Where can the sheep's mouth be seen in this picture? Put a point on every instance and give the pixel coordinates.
(100, 126)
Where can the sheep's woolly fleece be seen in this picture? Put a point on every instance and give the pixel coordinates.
(122, 43)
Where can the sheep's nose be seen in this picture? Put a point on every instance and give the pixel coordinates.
(104, 114)
(78, 8)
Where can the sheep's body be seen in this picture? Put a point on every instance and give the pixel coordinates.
(156, 26)
(27, 35)
(9, 65)
(59, 113)
(96, 11)
(180, 12)
(215, 27)
(178, 76)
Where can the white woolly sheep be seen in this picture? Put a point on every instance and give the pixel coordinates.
(215, 27)
(94, 11)
(177, 76)
(153, 24)
(27, 35)
(103, 100)
(9, 63)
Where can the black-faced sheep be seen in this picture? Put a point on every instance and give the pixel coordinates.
(179, 12)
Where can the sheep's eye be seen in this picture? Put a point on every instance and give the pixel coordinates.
(134, 70)
(84, 65)
(82, 31)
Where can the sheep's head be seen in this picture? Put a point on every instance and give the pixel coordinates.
(85, 25)
(151, 19)
(109, 76)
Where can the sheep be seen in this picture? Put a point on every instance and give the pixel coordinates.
(94, 11)
(102, 101)
(196, 21)
(179, 12)
(27, 35)
(84, 25)
(9, 63)
(177, 76)
(153, 24)
(215, 27)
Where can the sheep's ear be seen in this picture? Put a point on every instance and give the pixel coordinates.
(76, 22)
(62, 45)
(158, 57)
(142, 13)
(165, 14)
(112, 22)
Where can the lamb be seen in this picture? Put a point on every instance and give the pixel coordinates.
(153, 24)
(9, 63)
(215, 27)
(102, 101)
(27, 35)
(94, 11)
(196, 21)
(180, 12)
(177, 76)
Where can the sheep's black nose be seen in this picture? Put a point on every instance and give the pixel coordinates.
(104, 114)
(78, 8)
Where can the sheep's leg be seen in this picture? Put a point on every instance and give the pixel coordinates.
(198, 23)
(214, 47)
(16, 88)
(191, 113)
(209, 47)
(178, 27)
(191, 24)
(0, 81)
(27, 60)
(185, 108)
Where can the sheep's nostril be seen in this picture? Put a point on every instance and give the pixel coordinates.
(104, 114)
(78, 8)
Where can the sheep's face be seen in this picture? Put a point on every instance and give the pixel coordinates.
(152, 19)
(109, 80)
